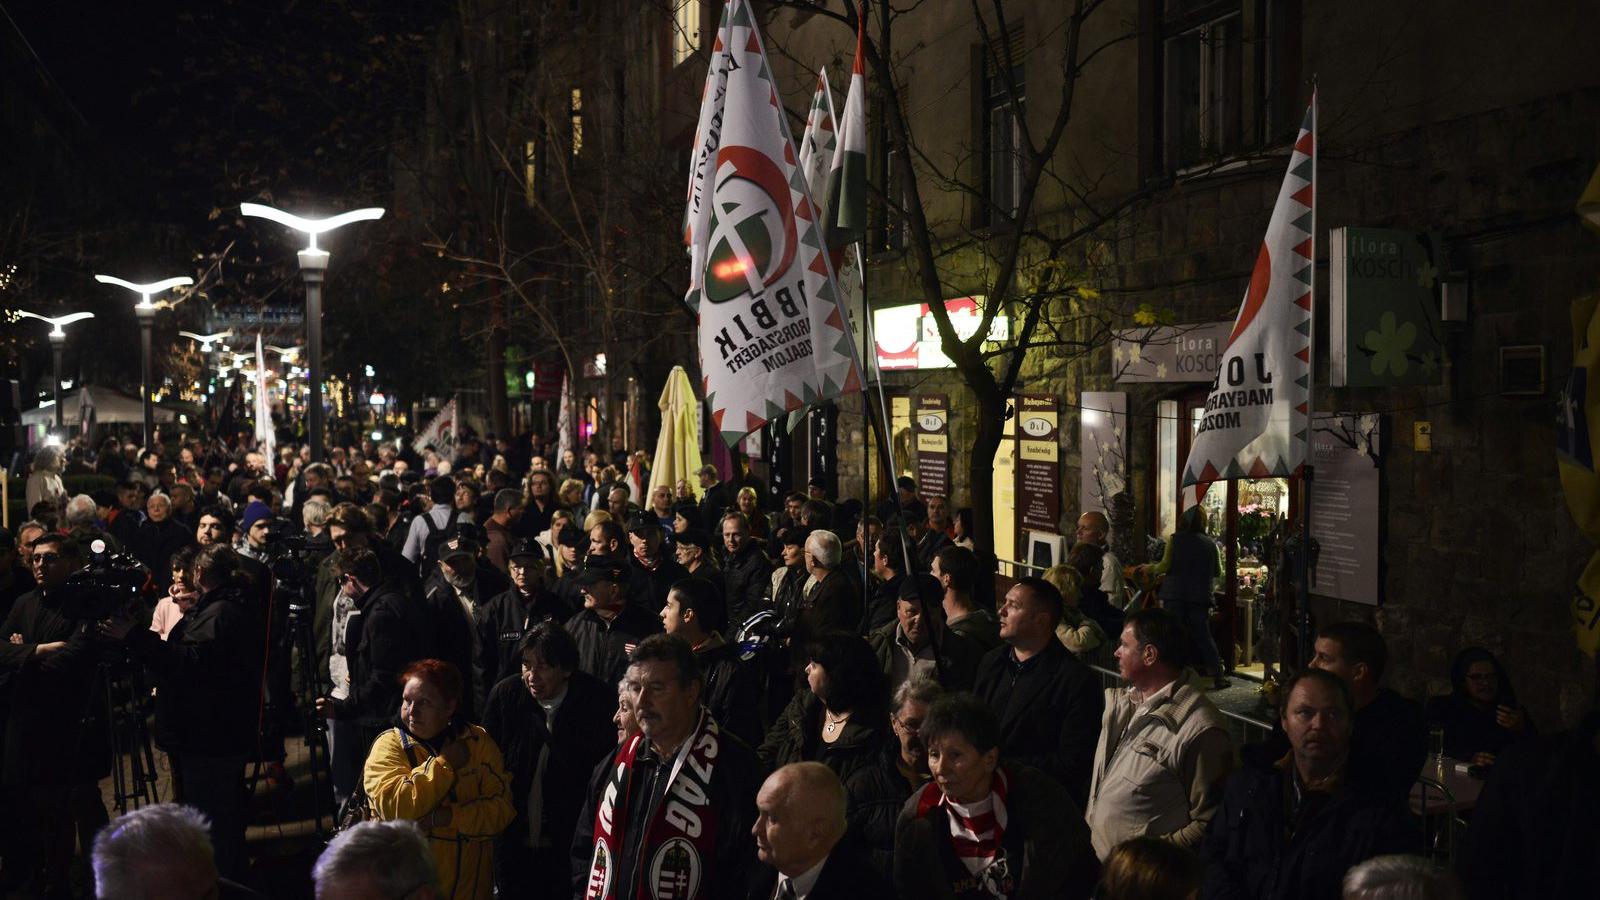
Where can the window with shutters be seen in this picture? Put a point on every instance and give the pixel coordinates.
(1004, 103)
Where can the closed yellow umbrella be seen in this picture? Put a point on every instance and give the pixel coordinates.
(1589, 203)
(678, 446)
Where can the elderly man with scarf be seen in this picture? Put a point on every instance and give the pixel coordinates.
(675, 806)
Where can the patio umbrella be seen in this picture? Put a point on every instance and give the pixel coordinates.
(678, 447)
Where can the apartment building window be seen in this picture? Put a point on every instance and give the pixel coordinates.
(1202, 59)
(530, 172)
(575, 116)
(1004, 103)
(685, 30)
(885, 224)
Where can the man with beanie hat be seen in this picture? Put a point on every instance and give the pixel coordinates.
(253, 528)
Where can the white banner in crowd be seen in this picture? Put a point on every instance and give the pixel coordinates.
(1256, 422)
(440, 433)
(773, 336)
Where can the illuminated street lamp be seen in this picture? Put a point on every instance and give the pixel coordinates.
(209, 344)
(313, 263)
(58, 343)
(147, 314)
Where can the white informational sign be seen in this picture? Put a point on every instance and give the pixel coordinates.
(1344, 506)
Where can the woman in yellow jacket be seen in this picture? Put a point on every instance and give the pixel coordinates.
(447, 777)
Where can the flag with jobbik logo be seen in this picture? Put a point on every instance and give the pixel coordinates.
(773, 335)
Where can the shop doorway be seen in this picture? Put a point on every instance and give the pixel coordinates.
(1240, 517)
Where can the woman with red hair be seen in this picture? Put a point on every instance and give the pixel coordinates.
(445, 774)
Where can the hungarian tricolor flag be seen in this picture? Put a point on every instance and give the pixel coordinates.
(847, 179)
(1257, 418)
(773, 336)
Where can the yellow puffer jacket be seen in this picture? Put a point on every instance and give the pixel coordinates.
(404, 779)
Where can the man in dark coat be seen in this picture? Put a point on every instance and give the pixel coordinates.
(508, 616)
(609, 626)
(652, 566)
(56, 740)
(552, 724)
(1291, 830)
(917, 643)
(745, 571)
(889, 564)
(1049, 703)
(456, 588)
(1534, 830)
(694, 612)
(158, 538)
(800, 829)
(716, 497)
(386, 632)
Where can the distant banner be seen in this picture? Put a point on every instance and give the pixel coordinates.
(1039, 462)
(932, 425)
(440, 433)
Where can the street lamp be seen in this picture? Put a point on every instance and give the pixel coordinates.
(208, 344)
(313, 263)
(58, 343)
(147, 314)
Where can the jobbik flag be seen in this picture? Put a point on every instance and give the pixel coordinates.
(1257, 422)
(773, 336)
(440, 433)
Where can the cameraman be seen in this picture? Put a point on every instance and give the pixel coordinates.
(378, 632)
(208, 677)
(56, 743)
(350, 529)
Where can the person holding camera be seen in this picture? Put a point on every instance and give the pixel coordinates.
(57, 745)
(378, 631)
(208, 698)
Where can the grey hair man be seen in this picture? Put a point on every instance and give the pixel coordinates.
(1400, 877)
(160, 852)
(834, 597)
(81, 512)
(387, 860)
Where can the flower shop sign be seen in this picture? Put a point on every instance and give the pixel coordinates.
(1169, 353)
(1383, 307)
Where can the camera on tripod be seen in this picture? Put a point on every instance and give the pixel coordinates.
(106, 587)
(293, 566)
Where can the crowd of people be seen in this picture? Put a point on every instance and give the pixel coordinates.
(537, 677)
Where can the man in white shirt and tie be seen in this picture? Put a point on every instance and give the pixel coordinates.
(800, 827)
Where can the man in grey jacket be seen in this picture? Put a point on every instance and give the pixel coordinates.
(1164, 749)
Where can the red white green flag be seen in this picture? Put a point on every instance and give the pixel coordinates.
(847, 179)
(1257, 418)
(773, 337)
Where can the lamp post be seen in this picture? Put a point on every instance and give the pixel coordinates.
(208, 346)
(313, 263)
(58, 343)
(147, 315)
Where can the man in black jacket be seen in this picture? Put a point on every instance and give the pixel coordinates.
(745, 571)
(1290, 831)
(716, 497)
(507, 617)
(384, 631)
(208, 696)
(1049, 703)
(917, 643)
(457, 587)
(609, 625)
(889, 564)
(800, 829)
(656, 823)
(654, 572)
(694, 612)
(552, 724)
(56, 740)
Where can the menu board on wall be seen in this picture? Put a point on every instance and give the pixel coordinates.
(1344, 506)
(933, 445)
(1005, 493)
(1038, 462)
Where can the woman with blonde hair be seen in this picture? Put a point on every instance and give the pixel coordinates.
(749, 503)
(1076, 631)
(571, 496)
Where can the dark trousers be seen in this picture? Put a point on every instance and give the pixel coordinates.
(215, 786)
(1197, 618)
(522, 873)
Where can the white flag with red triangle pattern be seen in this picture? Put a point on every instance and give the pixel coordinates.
(773, 336)
(1257, 421)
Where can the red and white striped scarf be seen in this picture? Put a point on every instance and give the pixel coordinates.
(975, 828)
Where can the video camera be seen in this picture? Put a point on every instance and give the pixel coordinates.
(104, 588)
(293, 565)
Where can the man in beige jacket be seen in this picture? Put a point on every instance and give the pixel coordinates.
(1164, 749)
